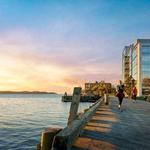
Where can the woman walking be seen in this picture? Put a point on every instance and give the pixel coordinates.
(120, 96)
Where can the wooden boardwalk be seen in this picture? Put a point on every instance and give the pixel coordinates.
(112, 129)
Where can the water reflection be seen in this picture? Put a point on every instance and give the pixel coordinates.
(23, 117)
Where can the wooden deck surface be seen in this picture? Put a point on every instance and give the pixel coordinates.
(112, 129)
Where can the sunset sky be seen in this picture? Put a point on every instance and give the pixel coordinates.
(54, 45)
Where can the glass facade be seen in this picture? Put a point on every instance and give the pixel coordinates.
(134, 63)
(145, 69)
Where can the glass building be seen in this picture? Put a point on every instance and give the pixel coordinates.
(138, 55)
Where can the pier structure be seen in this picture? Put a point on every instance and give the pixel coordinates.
(85, 98)
(104, 127)
(91, 92)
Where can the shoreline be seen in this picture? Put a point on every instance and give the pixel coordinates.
(26, 92)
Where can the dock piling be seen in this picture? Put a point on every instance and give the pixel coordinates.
(47, 138)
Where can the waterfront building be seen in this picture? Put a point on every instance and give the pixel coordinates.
(96, 87)
(136, 64)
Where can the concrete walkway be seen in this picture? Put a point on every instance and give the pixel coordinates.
(112, 129)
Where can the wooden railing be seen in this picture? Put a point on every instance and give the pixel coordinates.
(57, 139)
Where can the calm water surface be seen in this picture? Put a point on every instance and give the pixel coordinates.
(24, 116)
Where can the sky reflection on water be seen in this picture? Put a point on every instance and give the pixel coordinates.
(24, 116)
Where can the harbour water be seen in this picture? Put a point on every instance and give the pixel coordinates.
(24, 116)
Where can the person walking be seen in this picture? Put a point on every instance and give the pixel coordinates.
(120, 95)
(134, 93)
(120, 86)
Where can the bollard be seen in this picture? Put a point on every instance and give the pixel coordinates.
(47, 138)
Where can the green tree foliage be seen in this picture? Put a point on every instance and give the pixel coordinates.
(129, 83)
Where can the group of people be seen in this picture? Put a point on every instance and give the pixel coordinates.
(120, 94)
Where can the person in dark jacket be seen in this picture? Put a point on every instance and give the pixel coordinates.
(120, 95)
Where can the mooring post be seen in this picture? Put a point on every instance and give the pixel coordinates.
(74, 104)
(47, 138)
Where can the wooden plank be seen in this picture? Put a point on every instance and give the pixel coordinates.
(127, 129)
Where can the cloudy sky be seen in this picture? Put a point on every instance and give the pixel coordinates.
(54, 45)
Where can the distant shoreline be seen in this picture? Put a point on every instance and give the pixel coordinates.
(25, 92)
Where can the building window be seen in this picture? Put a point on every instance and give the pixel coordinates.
(145, 69)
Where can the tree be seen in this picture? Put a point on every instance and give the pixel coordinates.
(129, 84)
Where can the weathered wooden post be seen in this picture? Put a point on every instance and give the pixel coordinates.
(47, 138)
(74, 104)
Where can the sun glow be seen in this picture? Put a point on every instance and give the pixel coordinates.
(20, 74)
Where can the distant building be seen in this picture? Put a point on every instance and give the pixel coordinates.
(89, 86)
(95, 88)
(136, 63)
